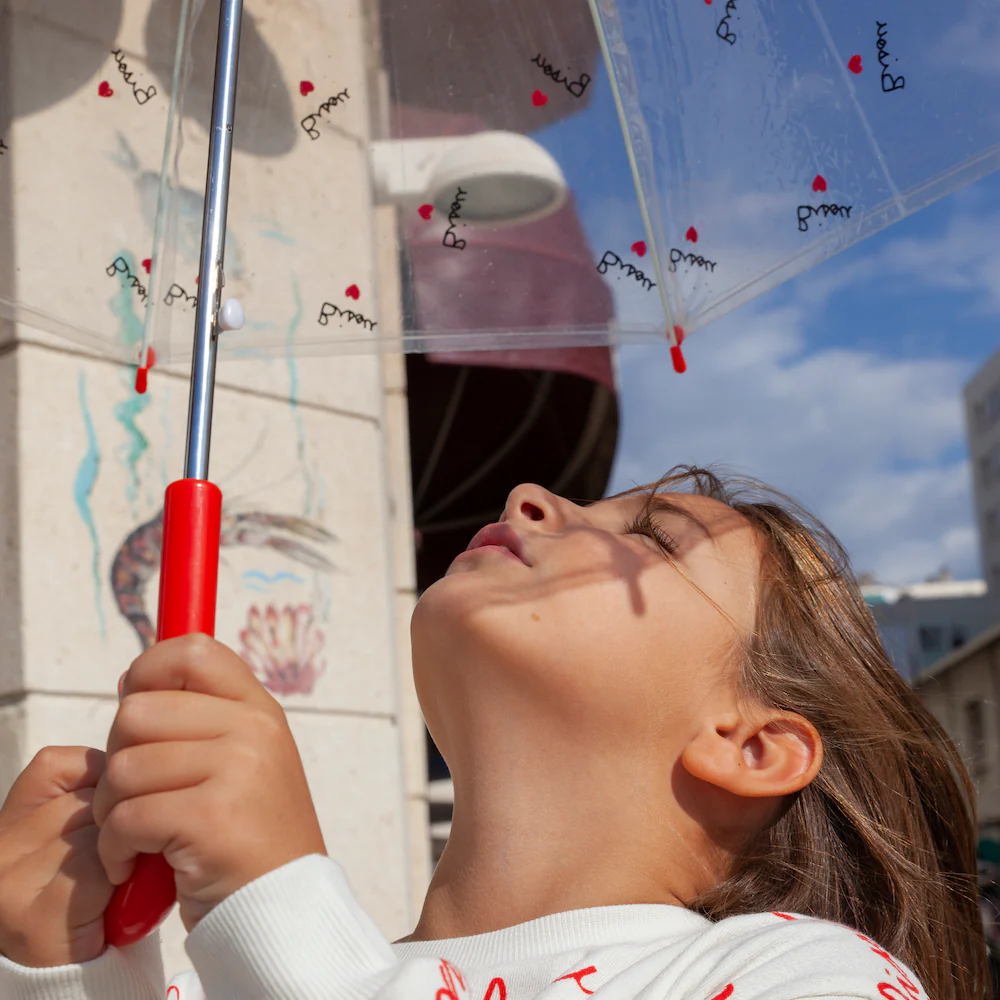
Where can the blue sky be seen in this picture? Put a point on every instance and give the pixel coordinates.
(842, 387)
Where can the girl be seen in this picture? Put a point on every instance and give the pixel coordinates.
(684, 769)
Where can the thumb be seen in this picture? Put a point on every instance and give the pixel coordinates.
(53, 771)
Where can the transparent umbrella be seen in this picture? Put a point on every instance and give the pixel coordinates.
(439, 176)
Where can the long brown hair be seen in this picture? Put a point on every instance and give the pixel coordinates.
(884, 838)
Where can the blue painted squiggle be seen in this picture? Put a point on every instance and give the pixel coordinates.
(83, 486)
(130, 334)
(132, 451)
(165, 425)
(321, 502)
(257, 575)
(293, 397)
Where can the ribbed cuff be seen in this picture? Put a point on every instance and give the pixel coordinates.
(132, 973)
(297, 932)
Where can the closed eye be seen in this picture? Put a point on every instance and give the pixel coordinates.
(644, 525)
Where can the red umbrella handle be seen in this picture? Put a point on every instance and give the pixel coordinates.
(189, 572)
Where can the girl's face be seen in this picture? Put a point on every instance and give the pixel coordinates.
(572, 621)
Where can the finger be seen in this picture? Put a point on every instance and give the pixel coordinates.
(56, 818)
(145, 825)
(172, 716)
(195, 663)
(53, 772)
(148, 769)
(71, 868)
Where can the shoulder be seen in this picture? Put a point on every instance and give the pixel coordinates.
(782, 956)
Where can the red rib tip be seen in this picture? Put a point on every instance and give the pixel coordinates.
(150, 357)
(140, 379)
(679, 334)
(680, 365)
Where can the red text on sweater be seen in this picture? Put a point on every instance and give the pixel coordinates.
(501, 989)
(453, 982)
(589, 971)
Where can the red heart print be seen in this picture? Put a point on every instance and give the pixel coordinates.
(691, 235)
(538, 99)
(104, 90)
(854, 64)
(639, 247)
(819, 183)
(353, 292)
(148, 264)
(306, 87)
(425, 211)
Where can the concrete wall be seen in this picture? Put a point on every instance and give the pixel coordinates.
(316, 577)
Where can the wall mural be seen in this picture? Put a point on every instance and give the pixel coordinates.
(281, 646)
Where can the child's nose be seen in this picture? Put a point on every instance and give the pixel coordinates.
(529, 502)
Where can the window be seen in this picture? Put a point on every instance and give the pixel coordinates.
(992, 524)
(931, 638)
(989, 466)
(976, 736)
(987, 410)
(979, 415)
(959, 637)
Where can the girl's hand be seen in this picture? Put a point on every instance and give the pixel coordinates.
(53, 889)
(202, 768)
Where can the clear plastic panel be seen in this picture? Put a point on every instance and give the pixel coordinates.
(439, 174)
(83, 116)
(782, 132)
(418, 176)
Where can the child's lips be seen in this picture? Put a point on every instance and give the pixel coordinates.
(499, 536)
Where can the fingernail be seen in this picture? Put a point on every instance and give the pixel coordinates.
(121, 685)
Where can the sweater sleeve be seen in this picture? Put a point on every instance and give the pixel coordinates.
(132, 973)
(298, 932)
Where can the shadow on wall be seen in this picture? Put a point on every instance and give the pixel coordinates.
(73, 40)
(76, 44)
(267, 126)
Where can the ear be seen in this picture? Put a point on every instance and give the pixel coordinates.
(768, 755)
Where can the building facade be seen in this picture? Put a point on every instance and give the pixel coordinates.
(982, 418)
(921, 623)
(963, 691)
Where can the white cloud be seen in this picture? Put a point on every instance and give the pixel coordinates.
(865, 442)
(972, 44)
(965, 258)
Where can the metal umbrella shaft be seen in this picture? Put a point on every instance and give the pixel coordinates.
(213, 242)
(192, 507)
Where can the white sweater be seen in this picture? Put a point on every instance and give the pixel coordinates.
(297, 933)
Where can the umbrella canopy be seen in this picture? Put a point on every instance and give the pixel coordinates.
(712, 152)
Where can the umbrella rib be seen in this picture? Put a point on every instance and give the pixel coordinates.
(585, 445)
(444, 430)
(531, 415)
